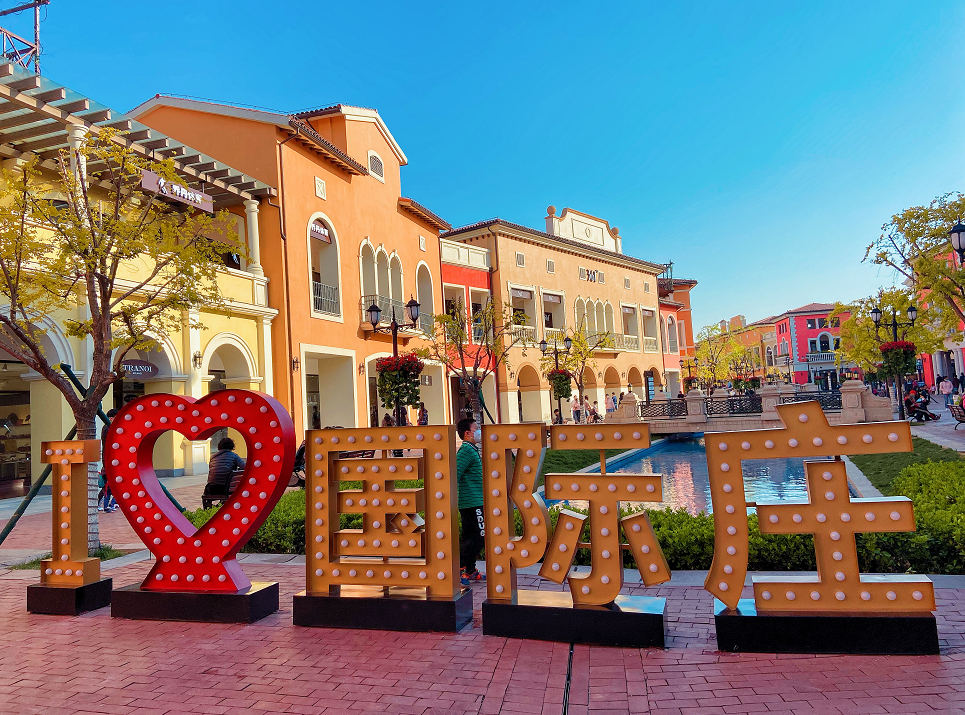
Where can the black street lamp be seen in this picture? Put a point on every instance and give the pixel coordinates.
(912, 314)
(957, 235)
(543, 347)
(412, 315)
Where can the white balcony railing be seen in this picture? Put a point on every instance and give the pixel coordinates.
(626, 342)
(823, 356)
(524, 333)
(325, 298)
(649, 345)
(557, 335)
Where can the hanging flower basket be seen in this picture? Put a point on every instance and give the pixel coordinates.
(897, 358)
(560, 383)
(398, 380)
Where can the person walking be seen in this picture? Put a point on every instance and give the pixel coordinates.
(423, 415)
(576, 411)
(469, 485)
(945, 387)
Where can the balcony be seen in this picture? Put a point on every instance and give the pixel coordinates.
(325, 299)
(525, 334)
(554, 335)
(386, 305)
(427, 323)
(826, 356)
(649, 345)
(626, 342)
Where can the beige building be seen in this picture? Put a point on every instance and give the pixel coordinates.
(573, 275)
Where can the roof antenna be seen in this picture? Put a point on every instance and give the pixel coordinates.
(16, 49)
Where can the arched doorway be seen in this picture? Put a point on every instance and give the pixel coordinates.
(529, 390)
(635, 381)
(611, 383)
(228, 366)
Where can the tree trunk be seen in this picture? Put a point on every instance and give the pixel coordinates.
(87, 429)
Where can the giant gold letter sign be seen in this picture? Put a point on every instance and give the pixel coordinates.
(505, 486)
(69, 563)
(830, 514)
(395, 547)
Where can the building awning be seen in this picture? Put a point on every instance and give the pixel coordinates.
(550, 298)
(520, 293)
(36, 114)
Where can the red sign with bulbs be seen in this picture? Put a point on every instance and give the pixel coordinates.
(189, 558)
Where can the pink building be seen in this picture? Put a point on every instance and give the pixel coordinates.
(807, 342)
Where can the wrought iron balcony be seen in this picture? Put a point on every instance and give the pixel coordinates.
(385, 305)
(325, 299)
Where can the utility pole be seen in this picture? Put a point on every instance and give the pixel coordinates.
(16, 49)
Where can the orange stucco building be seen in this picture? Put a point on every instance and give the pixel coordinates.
(339, 237)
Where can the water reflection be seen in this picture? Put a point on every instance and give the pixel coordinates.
(686, 483)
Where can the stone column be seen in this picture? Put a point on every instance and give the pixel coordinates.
(169, 450)
(264, 356)
(76, 134)
(695, 406)
(852, 411)
(770, 399)
(254, 243)
(628, 410)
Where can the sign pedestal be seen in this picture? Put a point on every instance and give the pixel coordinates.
(369, 607)
(247, 606)
(744, 630)
(68, 600)
(628, 622)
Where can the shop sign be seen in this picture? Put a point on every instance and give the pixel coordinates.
(319, 231)
(170, 191)
(140, 369)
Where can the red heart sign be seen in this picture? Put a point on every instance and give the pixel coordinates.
(190, 559)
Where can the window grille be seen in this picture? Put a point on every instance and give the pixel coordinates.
(375, 166)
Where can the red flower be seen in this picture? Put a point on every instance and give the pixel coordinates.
(902, 345)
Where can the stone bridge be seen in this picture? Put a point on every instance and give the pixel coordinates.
(699, 413)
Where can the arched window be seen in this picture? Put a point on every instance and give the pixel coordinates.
(323, 249)
(824, 342)
(783, 350)
(382, 276)
(608, 312)
(663, 335)
(590, 318)
(600, 318)
(671, 334)
(367, 258)
(395, 276)
(376, 167)
(770, 356)
(580, 314)
(424, 289)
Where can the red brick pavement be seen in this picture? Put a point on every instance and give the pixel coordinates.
(94, 664)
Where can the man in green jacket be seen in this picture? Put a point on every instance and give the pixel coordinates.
(469, 481)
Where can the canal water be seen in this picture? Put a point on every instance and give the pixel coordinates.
(685, 478)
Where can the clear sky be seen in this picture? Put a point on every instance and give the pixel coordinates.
(760, 146)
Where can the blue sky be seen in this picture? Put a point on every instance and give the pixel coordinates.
(760, 146)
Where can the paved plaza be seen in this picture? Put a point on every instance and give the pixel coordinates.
(95, 664)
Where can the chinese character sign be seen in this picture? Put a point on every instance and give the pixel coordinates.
(395, 545)
(190, 558)
(829, 514)
(508, 483)
(69, 564)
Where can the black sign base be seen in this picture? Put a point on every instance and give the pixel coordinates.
(628, 622)
(744, 630)
(248, 606)
(368, 607)
(68, 600)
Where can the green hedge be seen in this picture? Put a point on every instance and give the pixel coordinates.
(936, 488)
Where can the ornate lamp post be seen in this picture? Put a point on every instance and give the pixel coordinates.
(957, 235)
(412, 315)
(543, 347)
(912, 314)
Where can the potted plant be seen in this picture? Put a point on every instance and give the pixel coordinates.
(559, 380)
(398, 381)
